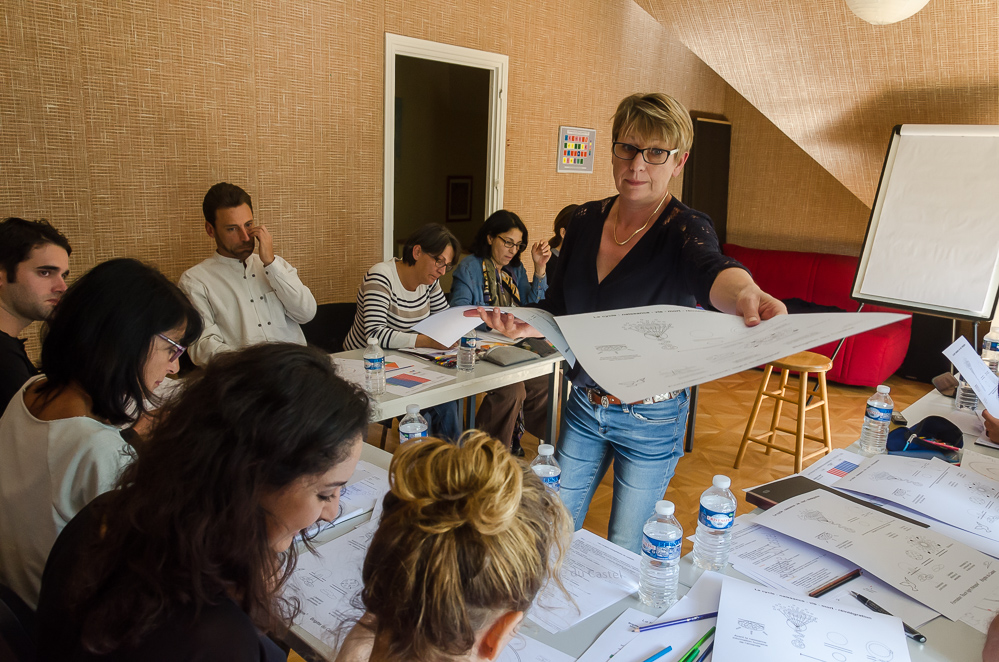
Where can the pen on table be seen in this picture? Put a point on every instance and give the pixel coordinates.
(910, 631)
(664, 624)
(658, 655)
(707, 651)
(836, 583)
(696, 648)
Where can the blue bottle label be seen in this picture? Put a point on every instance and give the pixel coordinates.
(661, 550)
(406, 436)
(374, 364)
(879, 414)
(715, 520)
(469, 343)
(551, 481)
(990, 345)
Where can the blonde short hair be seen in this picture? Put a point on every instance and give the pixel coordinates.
(467, 533)
(655, 116)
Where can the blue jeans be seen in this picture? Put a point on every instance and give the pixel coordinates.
(444, 420)
(645, 442)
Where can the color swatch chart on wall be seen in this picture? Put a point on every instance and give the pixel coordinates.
(575, 149)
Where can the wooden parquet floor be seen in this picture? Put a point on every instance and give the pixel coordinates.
(722, 413)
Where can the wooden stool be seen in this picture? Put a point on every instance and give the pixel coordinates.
(802, 363)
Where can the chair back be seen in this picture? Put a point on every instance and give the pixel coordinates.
(329, 328)
(17, 627)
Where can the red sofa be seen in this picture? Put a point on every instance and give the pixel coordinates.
(867, 359)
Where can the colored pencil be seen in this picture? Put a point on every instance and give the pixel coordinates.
(666, 624)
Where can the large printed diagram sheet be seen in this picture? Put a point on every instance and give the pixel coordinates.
(639, 352)
(943, 574)
(956, 495)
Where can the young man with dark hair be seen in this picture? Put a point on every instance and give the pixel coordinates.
(244, 297)
(34, 263)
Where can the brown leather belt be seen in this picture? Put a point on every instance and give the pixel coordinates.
(597, 397)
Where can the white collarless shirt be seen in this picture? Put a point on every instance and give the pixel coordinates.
(245, 304)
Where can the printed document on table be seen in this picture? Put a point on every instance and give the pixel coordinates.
(943, 574)
(702, 598)
(956, 495)
(984, 465)
(596, 573)
(639, 352)
(969, 363)
(616, 636)
(326, 582)
(781, 562)
(830, 468)
(525, 649)
(407, 381)
(759, 624)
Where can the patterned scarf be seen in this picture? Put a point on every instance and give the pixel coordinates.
(498, 286)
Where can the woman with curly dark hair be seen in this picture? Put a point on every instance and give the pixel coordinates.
(187, 557)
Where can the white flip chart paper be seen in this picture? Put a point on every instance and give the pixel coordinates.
(943, 574)
(759, 624)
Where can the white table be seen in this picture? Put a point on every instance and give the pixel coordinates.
(947, 641)
(486, 377)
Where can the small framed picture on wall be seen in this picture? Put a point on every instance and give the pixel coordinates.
(459, 198)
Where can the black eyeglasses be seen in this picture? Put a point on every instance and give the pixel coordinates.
(652, 155)
(509, 243)
(441, 263)
(178, 349)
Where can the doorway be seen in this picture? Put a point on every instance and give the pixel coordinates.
(445, 118)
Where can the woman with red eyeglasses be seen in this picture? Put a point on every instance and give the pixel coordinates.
(114, 337)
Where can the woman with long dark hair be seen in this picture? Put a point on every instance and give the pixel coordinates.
(186, 558)
(494, 275)
(116, 334)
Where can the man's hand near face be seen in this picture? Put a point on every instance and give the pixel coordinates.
(265, 243)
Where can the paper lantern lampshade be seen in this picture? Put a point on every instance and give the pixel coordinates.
(883, 12)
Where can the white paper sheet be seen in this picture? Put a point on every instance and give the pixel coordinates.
(959, 496)
(969, 363)
(984, 465)
(326, 582)
(525, 649)
(597, 573)
(448, 326)
(548, 326)
(759, 624)
(617, 635)
(781, 562)
(701, 599)
(967, 421)
(943, 574)
(407, 381)
(639, 352)
(830, 468)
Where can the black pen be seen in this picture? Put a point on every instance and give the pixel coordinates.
(910, 632)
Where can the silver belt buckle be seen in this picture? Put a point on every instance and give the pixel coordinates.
(604, 401)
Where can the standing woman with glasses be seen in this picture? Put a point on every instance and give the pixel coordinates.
(641, 247)
(495, 276)
(114, 337)
(397, 294)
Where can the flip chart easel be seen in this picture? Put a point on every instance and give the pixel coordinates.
(932, 242)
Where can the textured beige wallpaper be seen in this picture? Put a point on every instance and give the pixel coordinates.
(835, 84)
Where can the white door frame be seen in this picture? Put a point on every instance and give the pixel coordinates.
(496, 155)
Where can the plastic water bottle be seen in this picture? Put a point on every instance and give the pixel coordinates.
(990, 348)
(714, 525)
(546, 467)
(965, 398)
(374, 368)
(662, 537)
(466, 352)
(413, 426)
(877, 420)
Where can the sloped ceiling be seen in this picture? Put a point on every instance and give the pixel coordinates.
(835, 84)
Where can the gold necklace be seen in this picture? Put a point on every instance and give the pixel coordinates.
(649, 220)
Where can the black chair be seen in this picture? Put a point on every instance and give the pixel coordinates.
(17, 627)
(329, 328)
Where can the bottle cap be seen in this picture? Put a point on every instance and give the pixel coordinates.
(884, 389)
(721, 482)
(413, 409)
(665, 508)
(373, 341)
(545, 450)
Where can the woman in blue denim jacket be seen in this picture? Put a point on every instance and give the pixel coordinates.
(495, 276)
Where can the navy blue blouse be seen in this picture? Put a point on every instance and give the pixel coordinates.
(674, 263)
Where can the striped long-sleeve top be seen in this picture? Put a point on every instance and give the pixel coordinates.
(386, 310)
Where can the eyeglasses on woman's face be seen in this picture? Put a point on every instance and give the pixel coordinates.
(509, 243)
(442, 263)
(178, 349)
(652, 155)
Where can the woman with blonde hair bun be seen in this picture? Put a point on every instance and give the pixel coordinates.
(464, 545)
